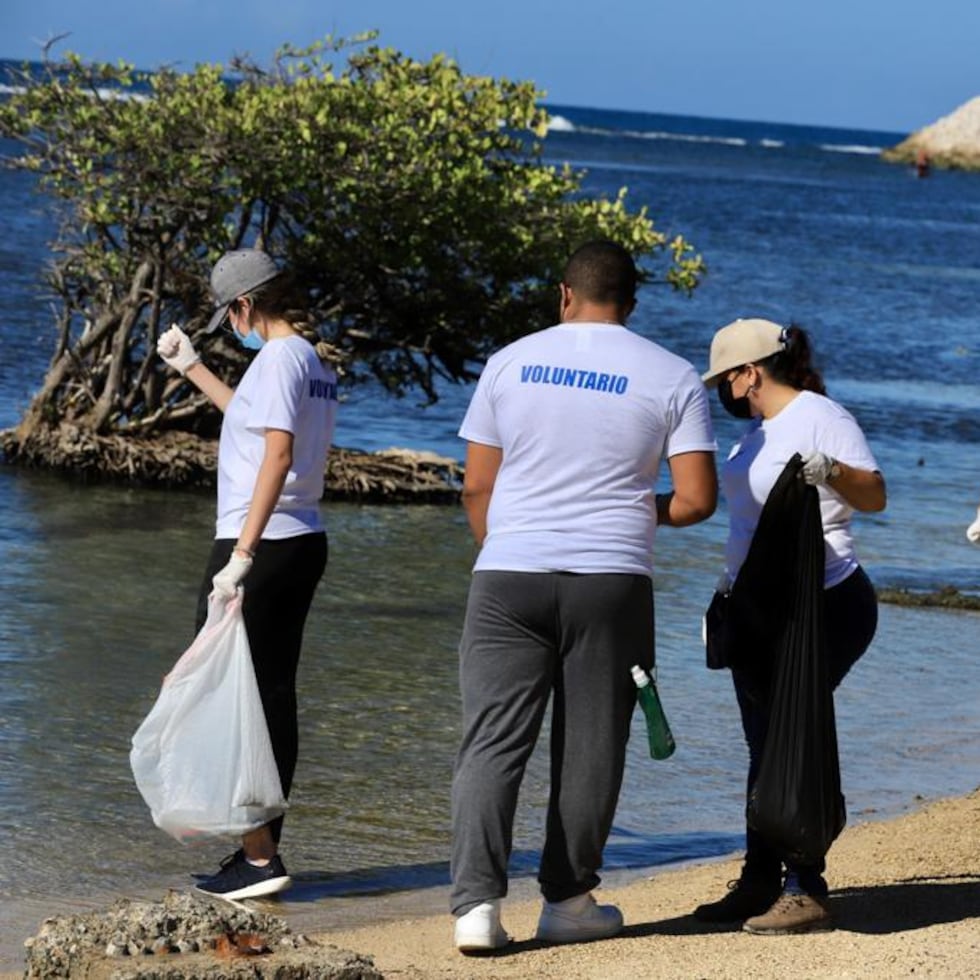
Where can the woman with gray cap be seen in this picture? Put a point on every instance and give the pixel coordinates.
(763, 373)
(275, 436)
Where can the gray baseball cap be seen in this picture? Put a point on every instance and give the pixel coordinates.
(235, 274)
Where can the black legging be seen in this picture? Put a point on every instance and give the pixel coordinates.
(278, 590)
(851, 617)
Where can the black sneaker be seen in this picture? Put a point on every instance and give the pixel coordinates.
(241, 879)
(746, 898)
(239, 855)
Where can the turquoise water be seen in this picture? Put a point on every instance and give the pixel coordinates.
(100, 582)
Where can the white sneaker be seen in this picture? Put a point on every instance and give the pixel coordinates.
(480, 929)
(577, 920)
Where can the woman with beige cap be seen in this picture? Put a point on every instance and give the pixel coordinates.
(764, 374)
(277, 430)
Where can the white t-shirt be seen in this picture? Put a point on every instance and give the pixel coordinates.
(584, 413)
(809, 422)
(285, 387)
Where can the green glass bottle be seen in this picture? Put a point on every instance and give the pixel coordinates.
(661, 739)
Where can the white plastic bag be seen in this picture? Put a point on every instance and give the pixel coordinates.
(202, 757)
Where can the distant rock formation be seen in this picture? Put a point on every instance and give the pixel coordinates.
(953, 141)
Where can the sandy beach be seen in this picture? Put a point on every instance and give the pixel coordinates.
(905, 894)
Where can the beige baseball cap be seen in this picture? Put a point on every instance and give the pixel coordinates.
(742, 342)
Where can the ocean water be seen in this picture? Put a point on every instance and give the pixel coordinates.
(797, 224)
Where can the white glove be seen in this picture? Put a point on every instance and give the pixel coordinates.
(816, 468)
(226, 582)
(176, 349)
(973, 531)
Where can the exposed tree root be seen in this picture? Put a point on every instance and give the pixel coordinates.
(180, 459)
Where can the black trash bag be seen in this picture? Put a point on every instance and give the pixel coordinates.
(762, 596)
(796, 801)
(742, 627)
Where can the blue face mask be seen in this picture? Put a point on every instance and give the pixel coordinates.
(251, 341)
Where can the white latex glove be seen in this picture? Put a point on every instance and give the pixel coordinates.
(176, 349)
(816, 468)
(973, 531)
(226, 582)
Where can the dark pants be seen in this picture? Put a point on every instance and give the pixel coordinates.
(851, 617)
(278, 591)
(528, 638)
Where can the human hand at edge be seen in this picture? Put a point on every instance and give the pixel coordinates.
(973, 531)
(816, 468)
(176, 350)
(226, 582)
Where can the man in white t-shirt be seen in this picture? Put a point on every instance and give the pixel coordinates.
(565, 435)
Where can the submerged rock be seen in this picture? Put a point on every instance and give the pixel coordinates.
(184, 938)
(946, 598)
(952, 141)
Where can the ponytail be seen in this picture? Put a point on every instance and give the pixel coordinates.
(283, 299)
(326, 351)
(793, 365)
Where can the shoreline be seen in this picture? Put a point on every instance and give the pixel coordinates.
(905, 893)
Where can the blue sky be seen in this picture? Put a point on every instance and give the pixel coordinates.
(891, 65)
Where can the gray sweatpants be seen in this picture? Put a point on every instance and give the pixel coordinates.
(525, 636)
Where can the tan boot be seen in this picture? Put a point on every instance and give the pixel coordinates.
(792, 914)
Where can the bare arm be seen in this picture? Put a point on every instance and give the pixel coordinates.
(268, 485)
(482, 464)
(209, 384)
(862, 489)
(695, 493)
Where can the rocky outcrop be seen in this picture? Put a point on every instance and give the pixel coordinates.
(953, 141)
(184, 938)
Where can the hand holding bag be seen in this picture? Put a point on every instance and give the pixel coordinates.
(202, 757)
